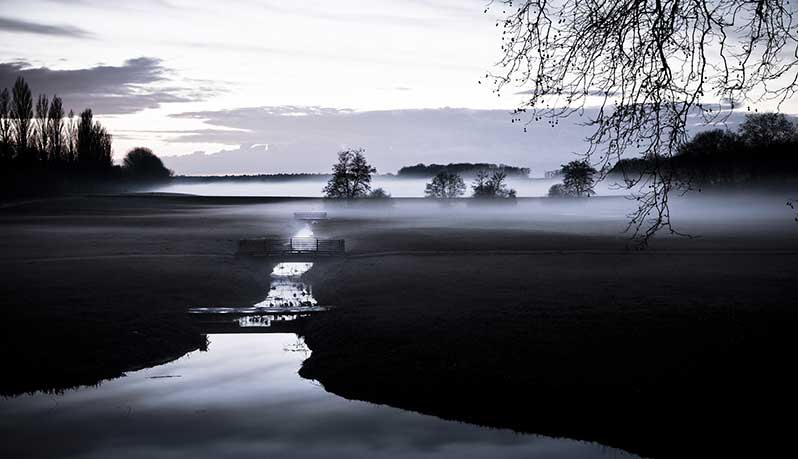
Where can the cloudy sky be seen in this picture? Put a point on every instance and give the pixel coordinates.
(182, 76)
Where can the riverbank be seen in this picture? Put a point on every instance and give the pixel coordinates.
(537, 317)
(677, 351)
(96, 286)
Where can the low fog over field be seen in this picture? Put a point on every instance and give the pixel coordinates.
(712, 220)
(396, 187)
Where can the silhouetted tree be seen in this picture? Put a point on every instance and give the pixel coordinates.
(21, 115)
(490, 185)
(578, 178)
(142, 163)
(445, 185)
(767, 129)
(351, 176)
(85, 140)
(423, 170)
(558, 190)
(71, 139)
(648, 66)
(379, 194)
(6, 132)
(94, 144)
(55, 132)
(761, 153)
(713, 143)
(40, 133)
(711, 157)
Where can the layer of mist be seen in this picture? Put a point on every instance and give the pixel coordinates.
(396, 187)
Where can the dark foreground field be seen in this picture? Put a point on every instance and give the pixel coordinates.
(535, 317)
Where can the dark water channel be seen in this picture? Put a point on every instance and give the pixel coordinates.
(243, 398)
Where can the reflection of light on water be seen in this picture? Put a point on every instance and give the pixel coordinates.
(288, 299)
(287, 289)
(306, 231)
(293, 269)
(264, 320)
(298, 346)
(217, 407)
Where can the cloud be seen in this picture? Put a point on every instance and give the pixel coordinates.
(306, 139)
(134, 86)
(16, 25)
(591, 92)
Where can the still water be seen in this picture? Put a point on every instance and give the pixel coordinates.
(289, 297)
(243, 398)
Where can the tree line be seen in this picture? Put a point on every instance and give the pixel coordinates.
(352, 174)
(41, 135)
(761, 152)
(42, 147)
(470, 169)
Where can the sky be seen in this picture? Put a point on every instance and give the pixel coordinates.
(182, 76)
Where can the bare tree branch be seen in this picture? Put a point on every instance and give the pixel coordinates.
(649, 66)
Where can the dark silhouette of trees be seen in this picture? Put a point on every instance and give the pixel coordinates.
(379, 194)
(6, 129)
(40, 133)
(445, 185)
(558, 190)
(141, 163)
(578, 178)
(55, 133)
(44, 152)
(21, 116)
(710, 158)
(648, 66)
(761, 153)
(94, 143)
(490, 185)
(351, 177)
(71, 139)
(36, 137)
(767, 129)
(423, 170)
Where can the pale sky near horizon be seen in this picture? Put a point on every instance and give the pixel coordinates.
(139, 63)
(363, 55)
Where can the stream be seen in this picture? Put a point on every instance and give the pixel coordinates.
(243, 397)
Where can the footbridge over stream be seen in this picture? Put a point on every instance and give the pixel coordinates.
(295, 248)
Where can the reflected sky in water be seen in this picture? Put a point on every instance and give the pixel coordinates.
(288, 295)
(264, 320)
(287, 289)
(243, 398)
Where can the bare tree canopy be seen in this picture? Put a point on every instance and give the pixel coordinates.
(647, 66)
(142, 163)
(351, 177)
(445, 185)
(491, 185)
(577, 180)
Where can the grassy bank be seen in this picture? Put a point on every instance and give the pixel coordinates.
(96, 286)
(679, 351)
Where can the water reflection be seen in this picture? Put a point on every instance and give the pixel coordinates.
(264, 320)
(243, 398)
(287, 289)
(288, 299)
